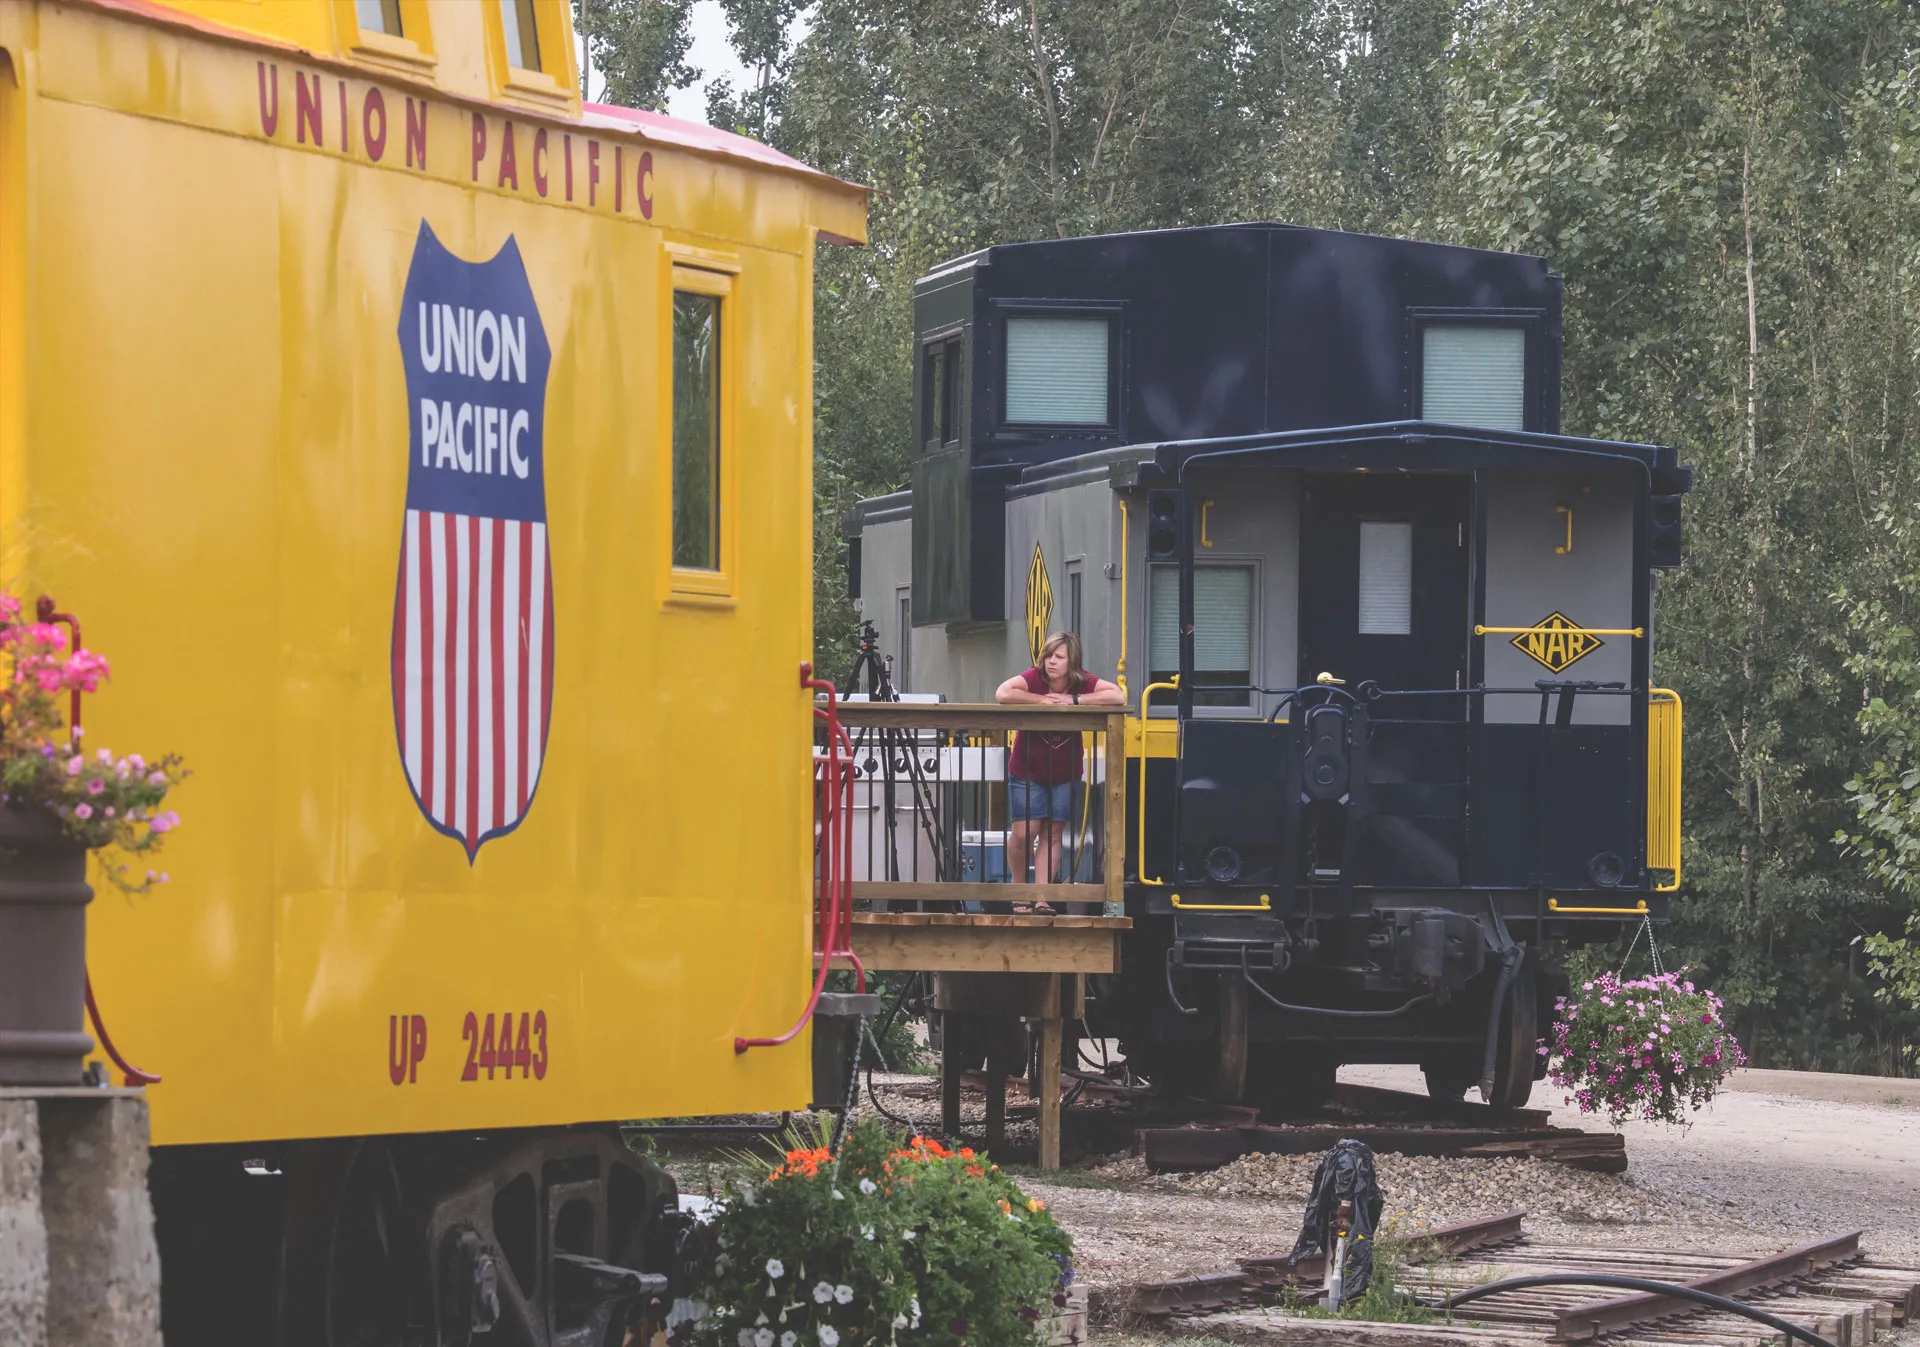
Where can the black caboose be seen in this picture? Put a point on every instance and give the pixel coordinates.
(1387, 633)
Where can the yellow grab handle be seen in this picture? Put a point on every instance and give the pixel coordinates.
(1638, 909)
(1146, 694)
(1584, 631)
(1264, 905)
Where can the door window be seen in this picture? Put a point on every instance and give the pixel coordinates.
(1386, 578)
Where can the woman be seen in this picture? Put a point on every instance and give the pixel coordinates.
(1043, 767)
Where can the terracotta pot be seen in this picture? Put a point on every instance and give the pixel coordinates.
(43, 950)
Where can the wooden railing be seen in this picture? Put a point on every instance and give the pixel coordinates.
(931, 824)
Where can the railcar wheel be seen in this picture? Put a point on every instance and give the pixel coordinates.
(352, 1272)
(1516, 1054)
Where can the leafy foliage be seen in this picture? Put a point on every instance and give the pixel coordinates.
(891, 1239)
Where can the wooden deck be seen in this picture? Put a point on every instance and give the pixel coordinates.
(952, 942)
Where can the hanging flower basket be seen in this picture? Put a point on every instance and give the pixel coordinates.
(57, 805)
(1653, 1050)
(888, 1242)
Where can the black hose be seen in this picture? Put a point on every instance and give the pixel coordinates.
(1707, 1298)
(1246, 971)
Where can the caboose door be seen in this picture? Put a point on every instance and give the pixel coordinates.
(1383, 585)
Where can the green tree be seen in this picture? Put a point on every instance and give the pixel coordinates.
(1705, 172)
(640, 47)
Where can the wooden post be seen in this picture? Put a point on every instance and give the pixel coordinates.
(1050, 1077)
(1114, 844)
(949, 1080)
(996, 1110)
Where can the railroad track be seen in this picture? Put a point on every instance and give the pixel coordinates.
(1829, 1287)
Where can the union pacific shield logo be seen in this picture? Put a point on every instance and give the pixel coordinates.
(473, 610)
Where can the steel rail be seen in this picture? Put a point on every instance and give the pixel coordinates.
(1658, 1289)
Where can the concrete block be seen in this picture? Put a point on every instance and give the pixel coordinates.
(23, 1235)
(103, 1264)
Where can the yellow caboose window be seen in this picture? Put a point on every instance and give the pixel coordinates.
(523, 35)
(696, 431)
(379, 16)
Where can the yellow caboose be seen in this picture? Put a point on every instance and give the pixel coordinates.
(431, 455)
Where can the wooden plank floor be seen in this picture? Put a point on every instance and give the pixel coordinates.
(955, 942)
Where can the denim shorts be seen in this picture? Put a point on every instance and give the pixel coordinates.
(1036, 800)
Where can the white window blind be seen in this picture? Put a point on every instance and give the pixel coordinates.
(1474, 376)
(1386, 579)
(1222, 619)
(1057, 370)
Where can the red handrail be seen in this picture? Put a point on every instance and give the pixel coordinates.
(134, 1075)
(833, 894)
(45, 610)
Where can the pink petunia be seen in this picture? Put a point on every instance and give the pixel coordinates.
(95, 786)
(83, 810)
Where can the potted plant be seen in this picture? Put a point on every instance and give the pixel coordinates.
(1652, 1049)
(58, 804)
(890, 1241)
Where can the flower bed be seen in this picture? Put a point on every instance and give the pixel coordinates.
(892, 1243)
(1652, 1049)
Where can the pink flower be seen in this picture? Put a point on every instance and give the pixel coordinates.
(157, 779)
(74, 764)
(95, 786)
(83, 811)
(9, 608)
(105, 755)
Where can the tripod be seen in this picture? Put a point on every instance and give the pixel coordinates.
(890, 754)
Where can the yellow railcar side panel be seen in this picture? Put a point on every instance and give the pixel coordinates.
(214, 476)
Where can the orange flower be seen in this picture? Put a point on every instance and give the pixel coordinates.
(1005, 1206)
(974, 1171)
(966, 1152)
(1035, 1204)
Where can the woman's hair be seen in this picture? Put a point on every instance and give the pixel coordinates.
(1076, 671)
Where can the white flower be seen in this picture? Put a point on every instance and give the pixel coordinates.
(748, 1196)
(839, 1196)
(761, 1322)
(823, 1292)
(866, 1232)
(829, 1336)
(788, 1338)
(910, 1234)
(721, 1264)
(776, 1269)
(899, 1321)
(868, 1187)
(746, 1337)
(842, 1294)
(763, 1337)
